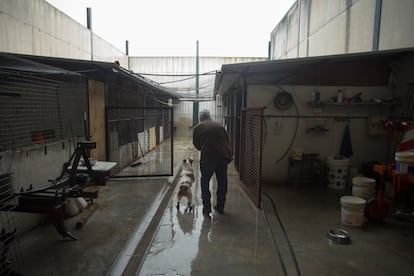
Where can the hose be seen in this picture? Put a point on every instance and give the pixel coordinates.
(284, 233)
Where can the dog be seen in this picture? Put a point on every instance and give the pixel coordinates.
(187, 169)
(185, 184)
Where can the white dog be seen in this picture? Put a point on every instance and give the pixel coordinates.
(185, 184)
(187, 169)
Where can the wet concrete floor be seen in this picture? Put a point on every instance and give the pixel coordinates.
(233, 243)
(115, 240)
(126, 206)
(300, 216)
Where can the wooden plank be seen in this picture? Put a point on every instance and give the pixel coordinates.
(152, 138)
(87, 213)
(96, 91)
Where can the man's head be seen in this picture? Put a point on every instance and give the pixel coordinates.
(204, 115)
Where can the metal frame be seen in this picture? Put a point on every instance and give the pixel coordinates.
(250, 164)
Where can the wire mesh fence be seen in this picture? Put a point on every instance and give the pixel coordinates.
(9, 248)
(251, 152)
(140, 140)
(35, 110)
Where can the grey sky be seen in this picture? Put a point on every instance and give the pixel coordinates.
(171, 28)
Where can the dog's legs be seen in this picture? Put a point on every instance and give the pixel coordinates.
(189, 203)
(178, 202)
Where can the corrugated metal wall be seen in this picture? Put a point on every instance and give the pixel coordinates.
(183, 113)
(178, 74)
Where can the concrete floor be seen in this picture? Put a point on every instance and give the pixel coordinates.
(138, 231)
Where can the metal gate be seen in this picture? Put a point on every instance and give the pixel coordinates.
(140, 140)
(251, 152)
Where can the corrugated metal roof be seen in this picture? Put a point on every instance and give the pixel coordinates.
(362, 69)
(16, 63)
(96, 70)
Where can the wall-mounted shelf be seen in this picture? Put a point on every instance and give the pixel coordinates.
(319, 104)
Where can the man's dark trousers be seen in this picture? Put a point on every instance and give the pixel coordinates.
(219, 167)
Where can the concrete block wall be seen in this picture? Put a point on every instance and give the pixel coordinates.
(396, 24)
(34, 27)
(328, 27)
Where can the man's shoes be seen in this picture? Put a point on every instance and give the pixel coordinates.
(220, 211)
(206, 212)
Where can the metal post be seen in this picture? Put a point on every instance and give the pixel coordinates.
(195, 103)
(269, 51)
(89, 26)
(127, 53)
(377, 23)
(172, 139)
(299, 8)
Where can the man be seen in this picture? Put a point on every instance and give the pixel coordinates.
(212, 140)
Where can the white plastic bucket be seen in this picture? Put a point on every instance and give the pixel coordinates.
(338, 172)
(363, 187)
(404, 162)
(81, 203)
(71, 208)
(352, 210)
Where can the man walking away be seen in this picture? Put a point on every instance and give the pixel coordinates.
(212, 140)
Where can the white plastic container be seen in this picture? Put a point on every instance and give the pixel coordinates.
(404, 162)
(338, 172)
(71, 208)
(81, 203)
(352, 210)
(363, 187)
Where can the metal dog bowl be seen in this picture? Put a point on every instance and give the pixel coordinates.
(338, 236)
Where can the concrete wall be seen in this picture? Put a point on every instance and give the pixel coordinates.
(396, 24)
(327, 27)
(279, 128)
(34, 27)
(34, 166)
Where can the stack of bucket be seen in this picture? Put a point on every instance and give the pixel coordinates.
(363, 187)
(353, 207)
(338, 172)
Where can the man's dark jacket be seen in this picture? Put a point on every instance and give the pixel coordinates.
(212, 140)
